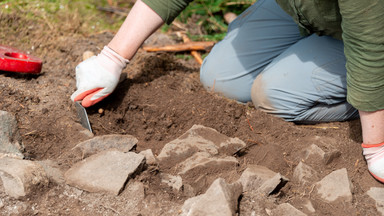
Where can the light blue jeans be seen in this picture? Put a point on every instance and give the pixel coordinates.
(264, 58)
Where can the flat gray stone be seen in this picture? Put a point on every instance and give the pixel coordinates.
(254, 176)
(20, 177)
(10, 139)
(107, 171)
(286, 209)
(304, 174)
(220, 199)
(205, 160)
(199, 139)
(123, 143)
(335, 186)
(149, 157)
(378, 195)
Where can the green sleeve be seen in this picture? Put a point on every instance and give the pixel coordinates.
(363, 36)
(168, 10)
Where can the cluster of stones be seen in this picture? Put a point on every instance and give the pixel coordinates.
(108, 163)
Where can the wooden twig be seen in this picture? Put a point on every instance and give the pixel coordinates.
(194, 53)
(190, 46)
(249, 123)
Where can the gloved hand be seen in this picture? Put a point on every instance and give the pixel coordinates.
(374, 154)
(98, 76)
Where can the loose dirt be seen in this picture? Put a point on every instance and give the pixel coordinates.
(160, 99)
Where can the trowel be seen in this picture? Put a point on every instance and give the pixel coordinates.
(82, 113)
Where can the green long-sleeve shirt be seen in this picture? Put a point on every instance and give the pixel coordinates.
(359, 23)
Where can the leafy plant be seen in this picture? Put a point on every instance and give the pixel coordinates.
(210, 16)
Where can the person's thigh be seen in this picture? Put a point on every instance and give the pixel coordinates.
(253, 40)
(306, 83)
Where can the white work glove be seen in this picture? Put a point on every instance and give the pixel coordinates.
(374, 154)
(98, 76)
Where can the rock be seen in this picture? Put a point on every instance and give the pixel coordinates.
(97, 144)
(149, 157)
(313, 151)
(335, 186)
(286, 209)
(321, 148)
(175, 182)
(254, 176)
(259, 179)
(304, 204)
(273, 185)
(330, 156)
(53, 171)
(220, 199)
(304, 174)
(20, 177)
(378, 195)
(199, 139)
(10, 139)
(308, 205)
(204, 160)
(107, 171)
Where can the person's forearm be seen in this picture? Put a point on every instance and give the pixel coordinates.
(372, 125)
(140, 23)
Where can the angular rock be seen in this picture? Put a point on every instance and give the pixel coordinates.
(220, 199)
(330, 156)
(199, 139)
(378, 195)
(175, 182)
(20, 177)
(10, 139)
(273, 185)
(259, 179)
(286, 209)
(254, 176)
(107, 171)
(304, 174)
(149, 157)
(305, 205)
(335, 186)
(205, 160)
(123, 143)
(313, 151)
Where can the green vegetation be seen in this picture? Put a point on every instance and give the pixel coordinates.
(210, 16)
(83, 15)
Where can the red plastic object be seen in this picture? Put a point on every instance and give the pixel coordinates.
(14, 60)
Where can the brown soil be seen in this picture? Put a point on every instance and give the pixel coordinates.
(160, 100)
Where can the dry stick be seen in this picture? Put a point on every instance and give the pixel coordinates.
(194, 53)
(190, 46)
(249, 123)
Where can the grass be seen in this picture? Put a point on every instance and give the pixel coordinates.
(83, 15)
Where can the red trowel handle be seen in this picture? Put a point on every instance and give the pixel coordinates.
(14, 60)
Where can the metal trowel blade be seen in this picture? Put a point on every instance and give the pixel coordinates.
(82, 113)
